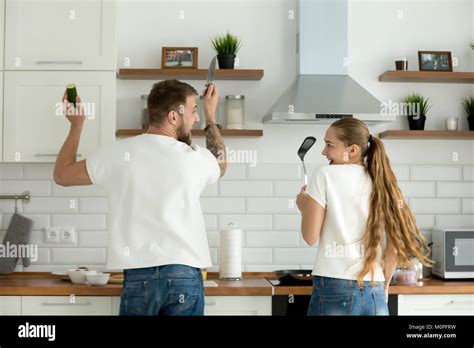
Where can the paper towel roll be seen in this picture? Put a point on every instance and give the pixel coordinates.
(230, 253)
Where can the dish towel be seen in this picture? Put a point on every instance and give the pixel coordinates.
(18, 233)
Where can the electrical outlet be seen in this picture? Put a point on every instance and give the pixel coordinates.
(51, 235)
(67, 235)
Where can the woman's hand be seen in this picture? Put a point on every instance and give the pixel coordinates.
(302, 199)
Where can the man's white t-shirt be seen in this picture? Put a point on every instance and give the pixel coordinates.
(154, 183)
(344, 191)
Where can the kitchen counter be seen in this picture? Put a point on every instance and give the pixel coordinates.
(253, 284)
(45, 284)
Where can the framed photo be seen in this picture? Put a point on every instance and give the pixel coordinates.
(179, 57)
(435, 61)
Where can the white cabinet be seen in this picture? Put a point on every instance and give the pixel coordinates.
(1, 115)
(65, 305)
(436, 304)
(115, 305)
(238, 305)
(34, 126)
(60, 35)
(10, 305)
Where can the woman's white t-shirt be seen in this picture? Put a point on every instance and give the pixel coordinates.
(154, 183)
(344, 191)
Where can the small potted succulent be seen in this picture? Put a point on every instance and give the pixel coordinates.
(472, 44)
(418, 107)
(226, 46)
(468, 105)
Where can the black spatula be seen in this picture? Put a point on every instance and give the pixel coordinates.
(304, 148)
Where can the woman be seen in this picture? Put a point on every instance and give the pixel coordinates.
(364, 226)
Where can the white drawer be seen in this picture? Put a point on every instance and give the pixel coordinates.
(436, 304)
(65, 305)
(238, 305)
(115, 305)
(10, 305)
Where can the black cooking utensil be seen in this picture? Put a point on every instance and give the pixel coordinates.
(304, 148)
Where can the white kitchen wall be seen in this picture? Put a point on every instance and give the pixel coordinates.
(436, 176)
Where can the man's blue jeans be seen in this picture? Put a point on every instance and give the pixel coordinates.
(333, 296)
(162, 290)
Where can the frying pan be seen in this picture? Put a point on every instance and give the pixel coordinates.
(295, 277)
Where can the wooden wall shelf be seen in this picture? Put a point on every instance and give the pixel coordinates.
(427, 134)
(234, 133)
(427, 76)
(188, 74)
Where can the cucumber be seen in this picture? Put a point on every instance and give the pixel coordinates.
(71, 93)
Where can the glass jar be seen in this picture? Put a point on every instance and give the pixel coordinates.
(202, 116)
(145, 119)
(235, 111)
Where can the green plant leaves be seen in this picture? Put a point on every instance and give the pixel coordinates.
(226, 44)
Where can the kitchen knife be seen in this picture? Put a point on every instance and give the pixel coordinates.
(211, 73)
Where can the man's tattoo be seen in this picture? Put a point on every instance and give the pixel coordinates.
(215, 144)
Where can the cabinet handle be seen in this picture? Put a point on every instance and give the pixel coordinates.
(66, 304)
(59, 62)
(51, 154)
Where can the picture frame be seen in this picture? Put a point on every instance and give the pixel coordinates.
(179, 57)
(435, 61)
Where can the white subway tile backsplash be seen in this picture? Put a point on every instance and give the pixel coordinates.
(213, 239)
(272, 205)
(257, 255)
(455, 220)
(223, 205)
(80, 221)
(246, 189)
(78, 255)
(287, 188)
(93, 204)
(287, 222)
(295, 255)
(425, 221)
(210, 191)
(85, 190)
(38, 171)
(455, 189)
(210, 221)
(435, 205)
(402, 172)
(275, 172)
(34, 187)
(51, 205)
(468, 173)
(43, 257)
(435, 173)
(40, 221)
(417, 189)
(235, 172)
(8, 206)
(92, 238)
(11, 171)
(468, 205)
(246, 221)
(271, 239)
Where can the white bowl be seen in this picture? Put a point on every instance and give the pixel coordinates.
(98, 278)
(78, 276)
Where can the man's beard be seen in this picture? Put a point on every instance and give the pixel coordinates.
(183, 136)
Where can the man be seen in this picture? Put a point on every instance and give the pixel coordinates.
(153, 182)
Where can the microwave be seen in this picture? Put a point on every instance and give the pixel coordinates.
(453, 252)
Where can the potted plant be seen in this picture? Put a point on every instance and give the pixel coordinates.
(418, 107)
(472, 44)
(226, 47)
(468, 105)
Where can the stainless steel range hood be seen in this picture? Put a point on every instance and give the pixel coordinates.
(323, 91)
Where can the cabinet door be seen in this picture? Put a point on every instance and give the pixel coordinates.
(238, 305)
(60, 35)
(10, 305)
(36, 128)
(436, 304)
(65, 305)
(2, 34)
